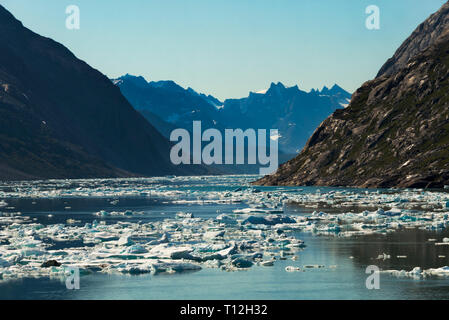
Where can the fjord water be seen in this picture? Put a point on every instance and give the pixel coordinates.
(345, 258)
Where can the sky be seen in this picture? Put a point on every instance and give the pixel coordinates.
(230, 47)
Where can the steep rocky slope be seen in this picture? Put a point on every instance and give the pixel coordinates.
(424, 36)
(395, 131)
(60, 118)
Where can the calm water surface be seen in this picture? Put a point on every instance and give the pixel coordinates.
(351, 256)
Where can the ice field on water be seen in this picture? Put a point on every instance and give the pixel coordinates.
(218, 237)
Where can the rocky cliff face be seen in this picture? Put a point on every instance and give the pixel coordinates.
(424, 36)
(395, 131)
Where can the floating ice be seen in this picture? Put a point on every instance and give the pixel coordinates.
(228, 241)
(383, 256)
(171, 245)
(209, 235)
(125, 241)
(268, 263)
(184, 215)
(292, 269)
(417, 273)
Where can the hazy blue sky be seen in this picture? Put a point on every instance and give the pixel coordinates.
(230, 47)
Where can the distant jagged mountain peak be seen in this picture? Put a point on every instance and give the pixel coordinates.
(167, 84)
(334, 90)
(295, 87)
(167, 104)
(278, 88)
(294, 112)
(274, 88)
(275, 85)
(141, 82)
(325, 90)
(136, 80)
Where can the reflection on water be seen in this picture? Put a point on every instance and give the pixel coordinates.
(346, 281)
(344, 259)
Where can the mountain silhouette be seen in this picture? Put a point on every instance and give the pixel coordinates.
(60, 118)
(294, 112)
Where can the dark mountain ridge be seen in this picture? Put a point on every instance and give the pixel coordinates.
(60, 118)
(173, 105)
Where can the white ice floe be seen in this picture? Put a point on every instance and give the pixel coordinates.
(417, 273)
(186, 242)
(170, 245)
(292, 269)
(127, 213)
